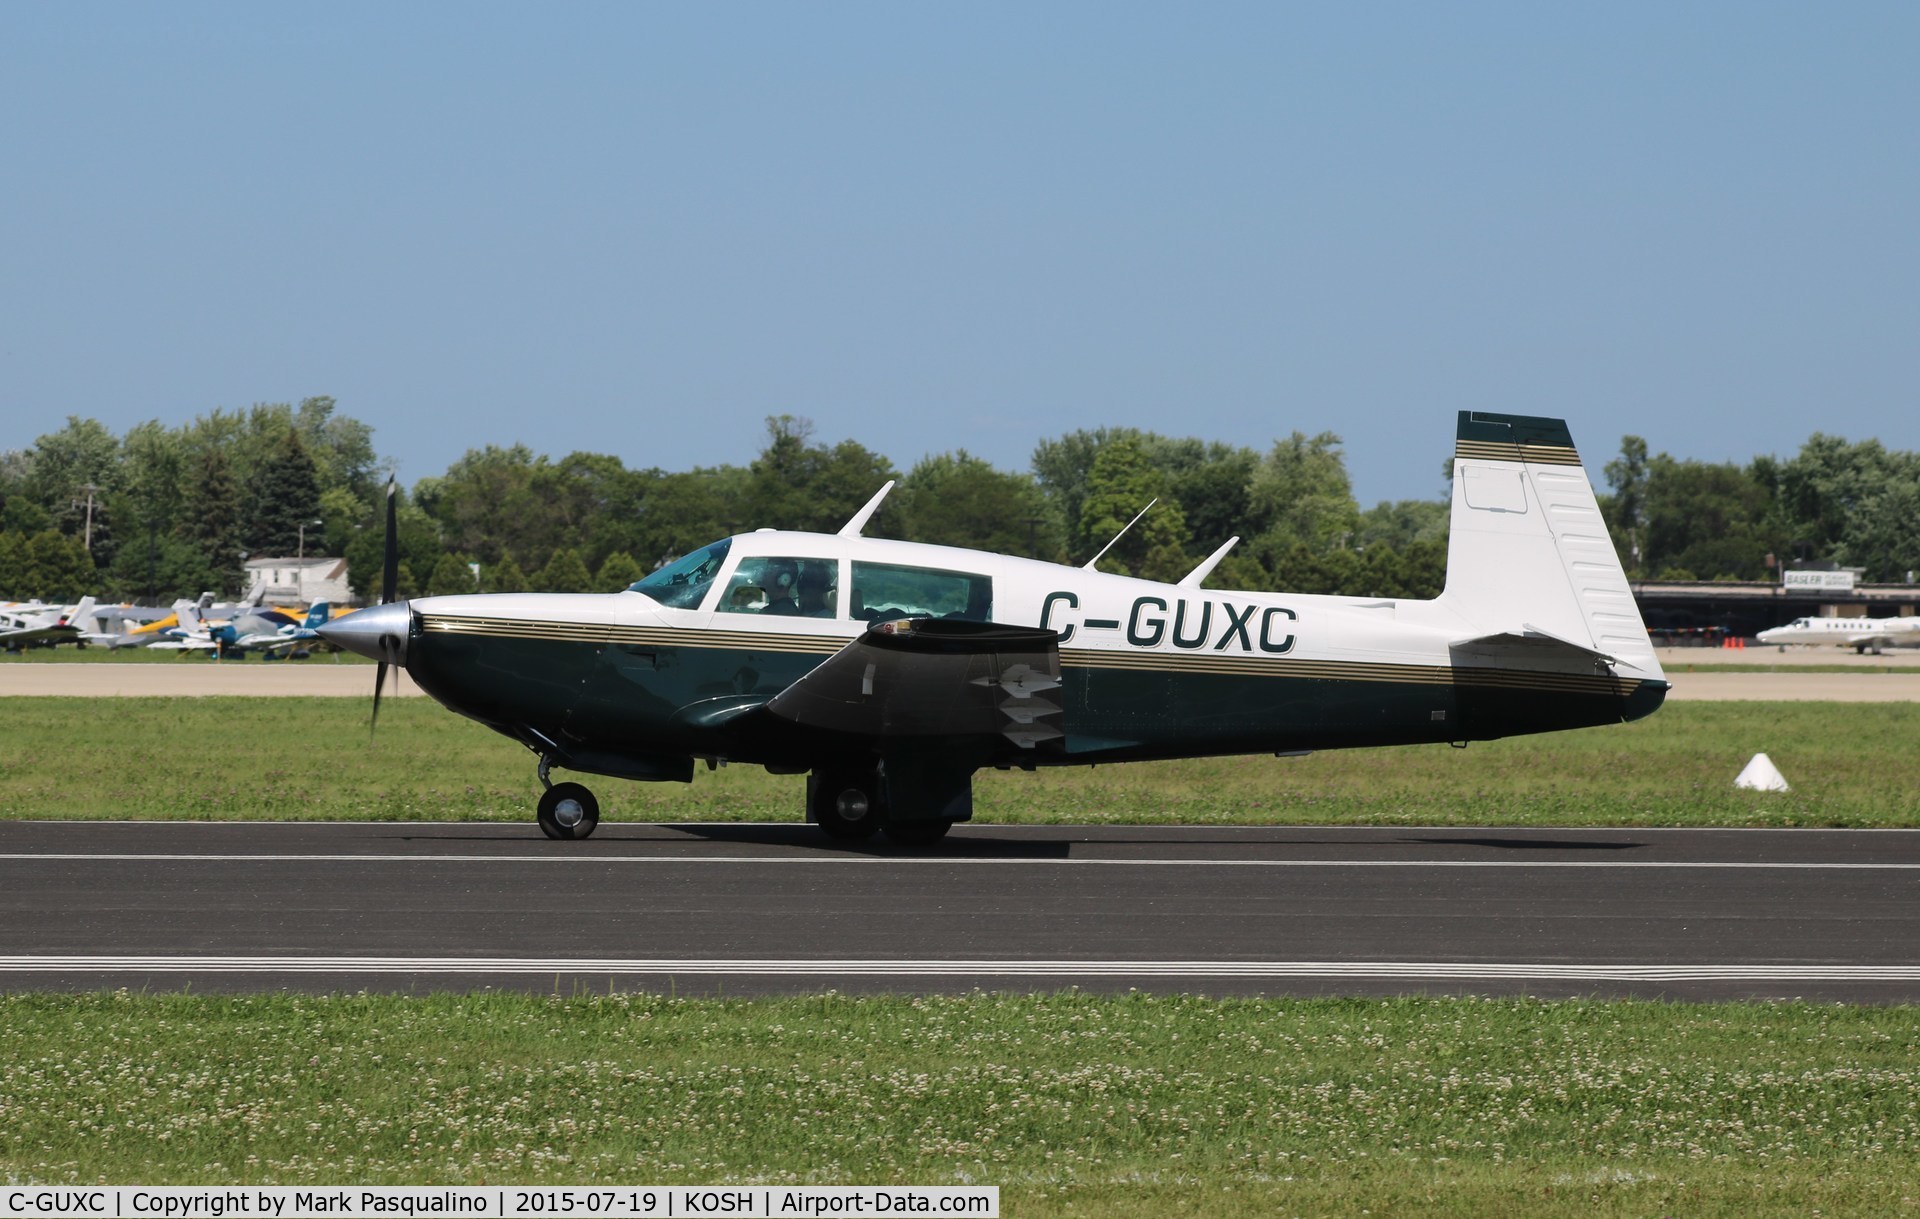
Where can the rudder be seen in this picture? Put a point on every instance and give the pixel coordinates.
(1528, 549)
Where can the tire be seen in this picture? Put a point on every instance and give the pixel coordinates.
(917, 833)
(568, 810)
(847, 806)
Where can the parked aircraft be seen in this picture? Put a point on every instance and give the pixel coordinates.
(1863, 635)
(891, 671)
(44, 626)
(285, 638)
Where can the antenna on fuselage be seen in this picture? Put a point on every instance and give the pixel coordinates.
(853, 527)
(1088, 565)
(1192, 579)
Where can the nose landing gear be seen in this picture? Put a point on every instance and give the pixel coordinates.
(567, 810)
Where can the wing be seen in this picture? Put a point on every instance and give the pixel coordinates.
(38, 634)
(935, 677)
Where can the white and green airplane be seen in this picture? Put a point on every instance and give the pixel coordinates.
(891, 671)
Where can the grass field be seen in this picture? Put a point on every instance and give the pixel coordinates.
(1139, 1105)
(312, 759)
(1073, 1104)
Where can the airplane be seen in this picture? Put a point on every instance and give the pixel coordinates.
(291, 637)
(1860, 634)
(49, 626)
(890, 672)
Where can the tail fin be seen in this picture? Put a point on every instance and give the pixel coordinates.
(1528, 554)
(318, 615)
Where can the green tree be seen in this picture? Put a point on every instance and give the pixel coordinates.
(1884, 535)
(1626, 509)
(956, 499)
(796, 485)
(500, 501)
(1706, 520)
(1301, 493)
(451, 576)
(282, 500)
(1401, 523)
(1062, 468)
(680, 513)
(1121, 483)
(418, 544)
(58, 568)
(504, 576)
(23, 516)
(1239, 572)
(13, 566)
(564, 573)
(1211, 481)
(73, 475)
(211, 521)
(618, 572)
(1822, 486)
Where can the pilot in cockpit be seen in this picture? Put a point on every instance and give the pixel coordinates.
(782, 580)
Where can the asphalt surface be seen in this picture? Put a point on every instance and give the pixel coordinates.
(747, 909)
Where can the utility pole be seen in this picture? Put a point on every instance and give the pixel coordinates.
(87, 537)
(303, 536)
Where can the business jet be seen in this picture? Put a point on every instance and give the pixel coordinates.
(1863, 635)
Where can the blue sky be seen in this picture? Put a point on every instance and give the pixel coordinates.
(642, 229)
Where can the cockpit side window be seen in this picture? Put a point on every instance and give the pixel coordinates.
(882, 591)
(795, 588)
(683, 582)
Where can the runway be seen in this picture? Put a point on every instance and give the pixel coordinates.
(754, 909)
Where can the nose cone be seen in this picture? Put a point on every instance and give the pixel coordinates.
(378, 632)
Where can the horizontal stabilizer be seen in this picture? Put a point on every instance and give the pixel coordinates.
(1532, 643)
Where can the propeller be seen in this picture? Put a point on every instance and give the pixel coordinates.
(389, 576)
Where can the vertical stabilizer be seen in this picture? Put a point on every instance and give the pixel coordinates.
(1528, 550)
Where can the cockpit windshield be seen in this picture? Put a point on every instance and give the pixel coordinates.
(683, 582)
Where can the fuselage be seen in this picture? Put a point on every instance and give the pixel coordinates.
(640, 682)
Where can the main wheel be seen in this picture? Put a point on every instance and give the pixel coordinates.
(917, 833)
(846, 806)
(568, 810)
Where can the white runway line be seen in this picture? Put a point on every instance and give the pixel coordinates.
(955, 861)
(1448, 970)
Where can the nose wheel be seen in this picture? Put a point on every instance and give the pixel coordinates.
(567, 810)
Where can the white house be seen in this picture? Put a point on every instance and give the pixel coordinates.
(304, 580)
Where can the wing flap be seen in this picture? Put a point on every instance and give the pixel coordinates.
(935, 677)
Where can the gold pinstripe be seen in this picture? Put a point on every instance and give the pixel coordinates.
(1506, 450)
(1215, 663)
(591, 632)
(1347, 670)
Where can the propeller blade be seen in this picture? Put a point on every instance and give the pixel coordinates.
(389, 577)
(390, 572)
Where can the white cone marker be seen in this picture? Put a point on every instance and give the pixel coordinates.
(1762, 775)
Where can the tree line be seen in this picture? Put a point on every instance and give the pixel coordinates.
(163, 512)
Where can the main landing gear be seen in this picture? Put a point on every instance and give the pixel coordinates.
(567, 810)
(849, 804)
